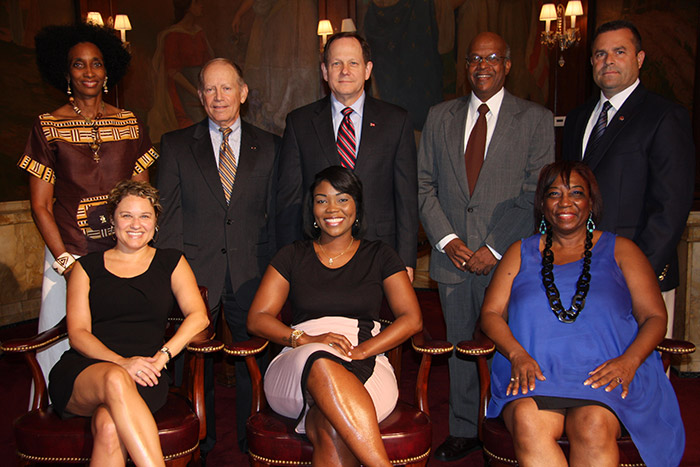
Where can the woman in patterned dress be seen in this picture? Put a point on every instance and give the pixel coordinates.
(76, 154)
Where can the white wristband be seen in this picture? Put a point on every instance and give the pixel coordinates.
(63, 263)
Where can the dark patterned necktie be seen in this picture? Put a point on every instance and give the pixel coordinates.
(598, 129)
(476, 148)
(345, 142)
(227, 164)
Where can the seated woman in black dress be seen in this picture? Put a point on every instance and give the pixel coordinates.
(117, 309)
(332, 376)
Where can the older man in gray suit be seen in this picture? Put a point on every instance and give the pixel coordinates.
(478, 164)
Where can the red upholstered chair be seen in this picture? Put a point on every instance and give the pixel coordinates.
(42, 437)
(498, 444)
(407, 432)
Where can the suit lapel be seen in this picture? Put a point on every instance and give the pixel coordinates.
(247, 159)
(371, 133)
(323, 124)
(622, 116)
(580, 126)
(498, 146)
(453, 134)
(202, 152)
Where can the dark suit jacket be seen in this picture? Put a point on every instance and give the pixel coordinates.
(197, 220)
(645, 167)
(500, 210)
(386, 165)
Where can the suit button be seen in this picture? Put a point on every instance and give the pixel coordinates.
(470, 209)
(223, 250)
(229, 222)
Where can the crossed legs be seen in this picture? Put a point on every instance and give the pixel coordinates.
(342, 425)
(592, 431)
(121, 420)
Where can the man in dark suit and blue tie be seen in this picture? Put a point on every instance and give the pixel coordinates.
(640, 148)
(216, 180)
(479, 159)
(350, 128)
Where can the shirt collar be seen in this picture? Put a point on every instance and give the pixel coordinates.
(618, 99)
(236, 127)
(357, 106)
(494, 103)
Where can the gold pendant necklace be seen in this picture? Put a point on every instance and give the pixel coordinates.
(331, 259)
(96, 140)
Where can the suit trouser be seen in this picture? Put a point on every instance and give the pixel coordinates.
(461, 306)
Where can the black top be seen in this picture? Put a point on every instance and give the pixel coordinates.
(129, 316)
(352, 291)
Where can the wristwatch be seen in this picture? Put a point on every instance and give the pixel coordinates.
(296, 334)
(166, 350)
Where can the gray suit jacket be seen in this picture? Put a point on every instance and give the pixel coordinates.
(197, 220)
(501, 208)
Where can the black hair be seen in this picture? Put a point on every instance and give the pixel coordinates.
(54, 42)
(551, 172)
(343, 180)
(617, 25)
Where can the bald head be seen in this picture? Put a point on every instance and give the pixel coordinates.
(488, 64)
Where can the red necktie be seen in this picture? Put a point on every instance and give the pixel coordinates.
(346, 140)
(476, 147)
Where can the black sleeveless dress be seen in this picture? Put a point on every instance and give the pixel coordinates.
(129, 316)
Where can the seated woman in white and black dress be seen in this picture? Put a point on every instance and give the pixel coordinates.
(117, 310)
(332, 376)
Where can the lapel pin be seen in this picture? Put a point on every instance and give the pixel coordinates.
(372, 124)
(622, 118)
(254, 148)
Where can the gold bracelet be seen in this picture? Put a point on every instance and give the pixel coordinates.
(296, 334)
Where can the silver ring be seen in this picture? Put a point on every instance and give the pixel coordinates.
(464, 263)
(139, 372)
(330, 344)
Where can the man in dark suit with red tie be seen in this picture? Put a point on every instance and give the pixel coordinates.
(216, 181)
(350, 128)
(640, 148)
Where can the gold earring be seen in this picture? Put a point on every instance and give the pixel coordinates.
(68, 91)
(104, 86)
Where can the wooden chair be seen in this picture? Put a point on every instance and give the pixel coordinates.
(43, 437)
(407, 432)
(497, 442)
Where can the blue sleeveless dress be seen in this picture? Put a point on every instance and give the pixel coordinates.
(567, 352)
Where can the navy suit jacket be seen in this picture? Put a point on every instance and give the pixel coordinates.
(195, 216)
(645, 168)
(386, 165)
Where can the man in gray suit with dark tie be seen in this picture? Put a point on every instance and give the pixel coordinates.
(478, 163)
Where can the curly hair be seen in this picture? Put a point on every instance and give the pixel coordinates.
(133, 188)
(54, 42)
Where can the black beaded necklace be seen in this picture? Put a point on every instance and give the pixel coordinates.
(579, 299)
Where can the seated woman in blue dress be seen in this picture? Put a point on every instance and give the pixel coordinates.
(118, 305)
(332, 375)
(590, 369)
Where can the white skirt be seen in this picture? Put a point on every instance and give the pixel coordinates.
(283, 388)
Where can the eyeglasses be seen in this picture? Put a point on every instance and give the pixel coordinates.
(492, 59)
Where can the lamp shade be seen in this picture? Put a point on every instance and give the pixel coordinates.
(574, 8)
(548, 12)
(324, 27)
(94, 17)
(122, 23)
(348, 25)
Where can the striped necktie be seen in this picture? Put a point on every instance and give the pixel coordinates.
(346, 140)
(227, 164)
(598, 129)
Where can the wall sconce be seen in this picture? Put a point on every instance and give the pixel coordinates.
(94, 17)
(122, 24)
(562, 36)
(348, 25)
(325, 29)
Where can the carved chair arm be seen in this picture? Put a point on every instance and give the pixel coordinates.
(427, 348)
